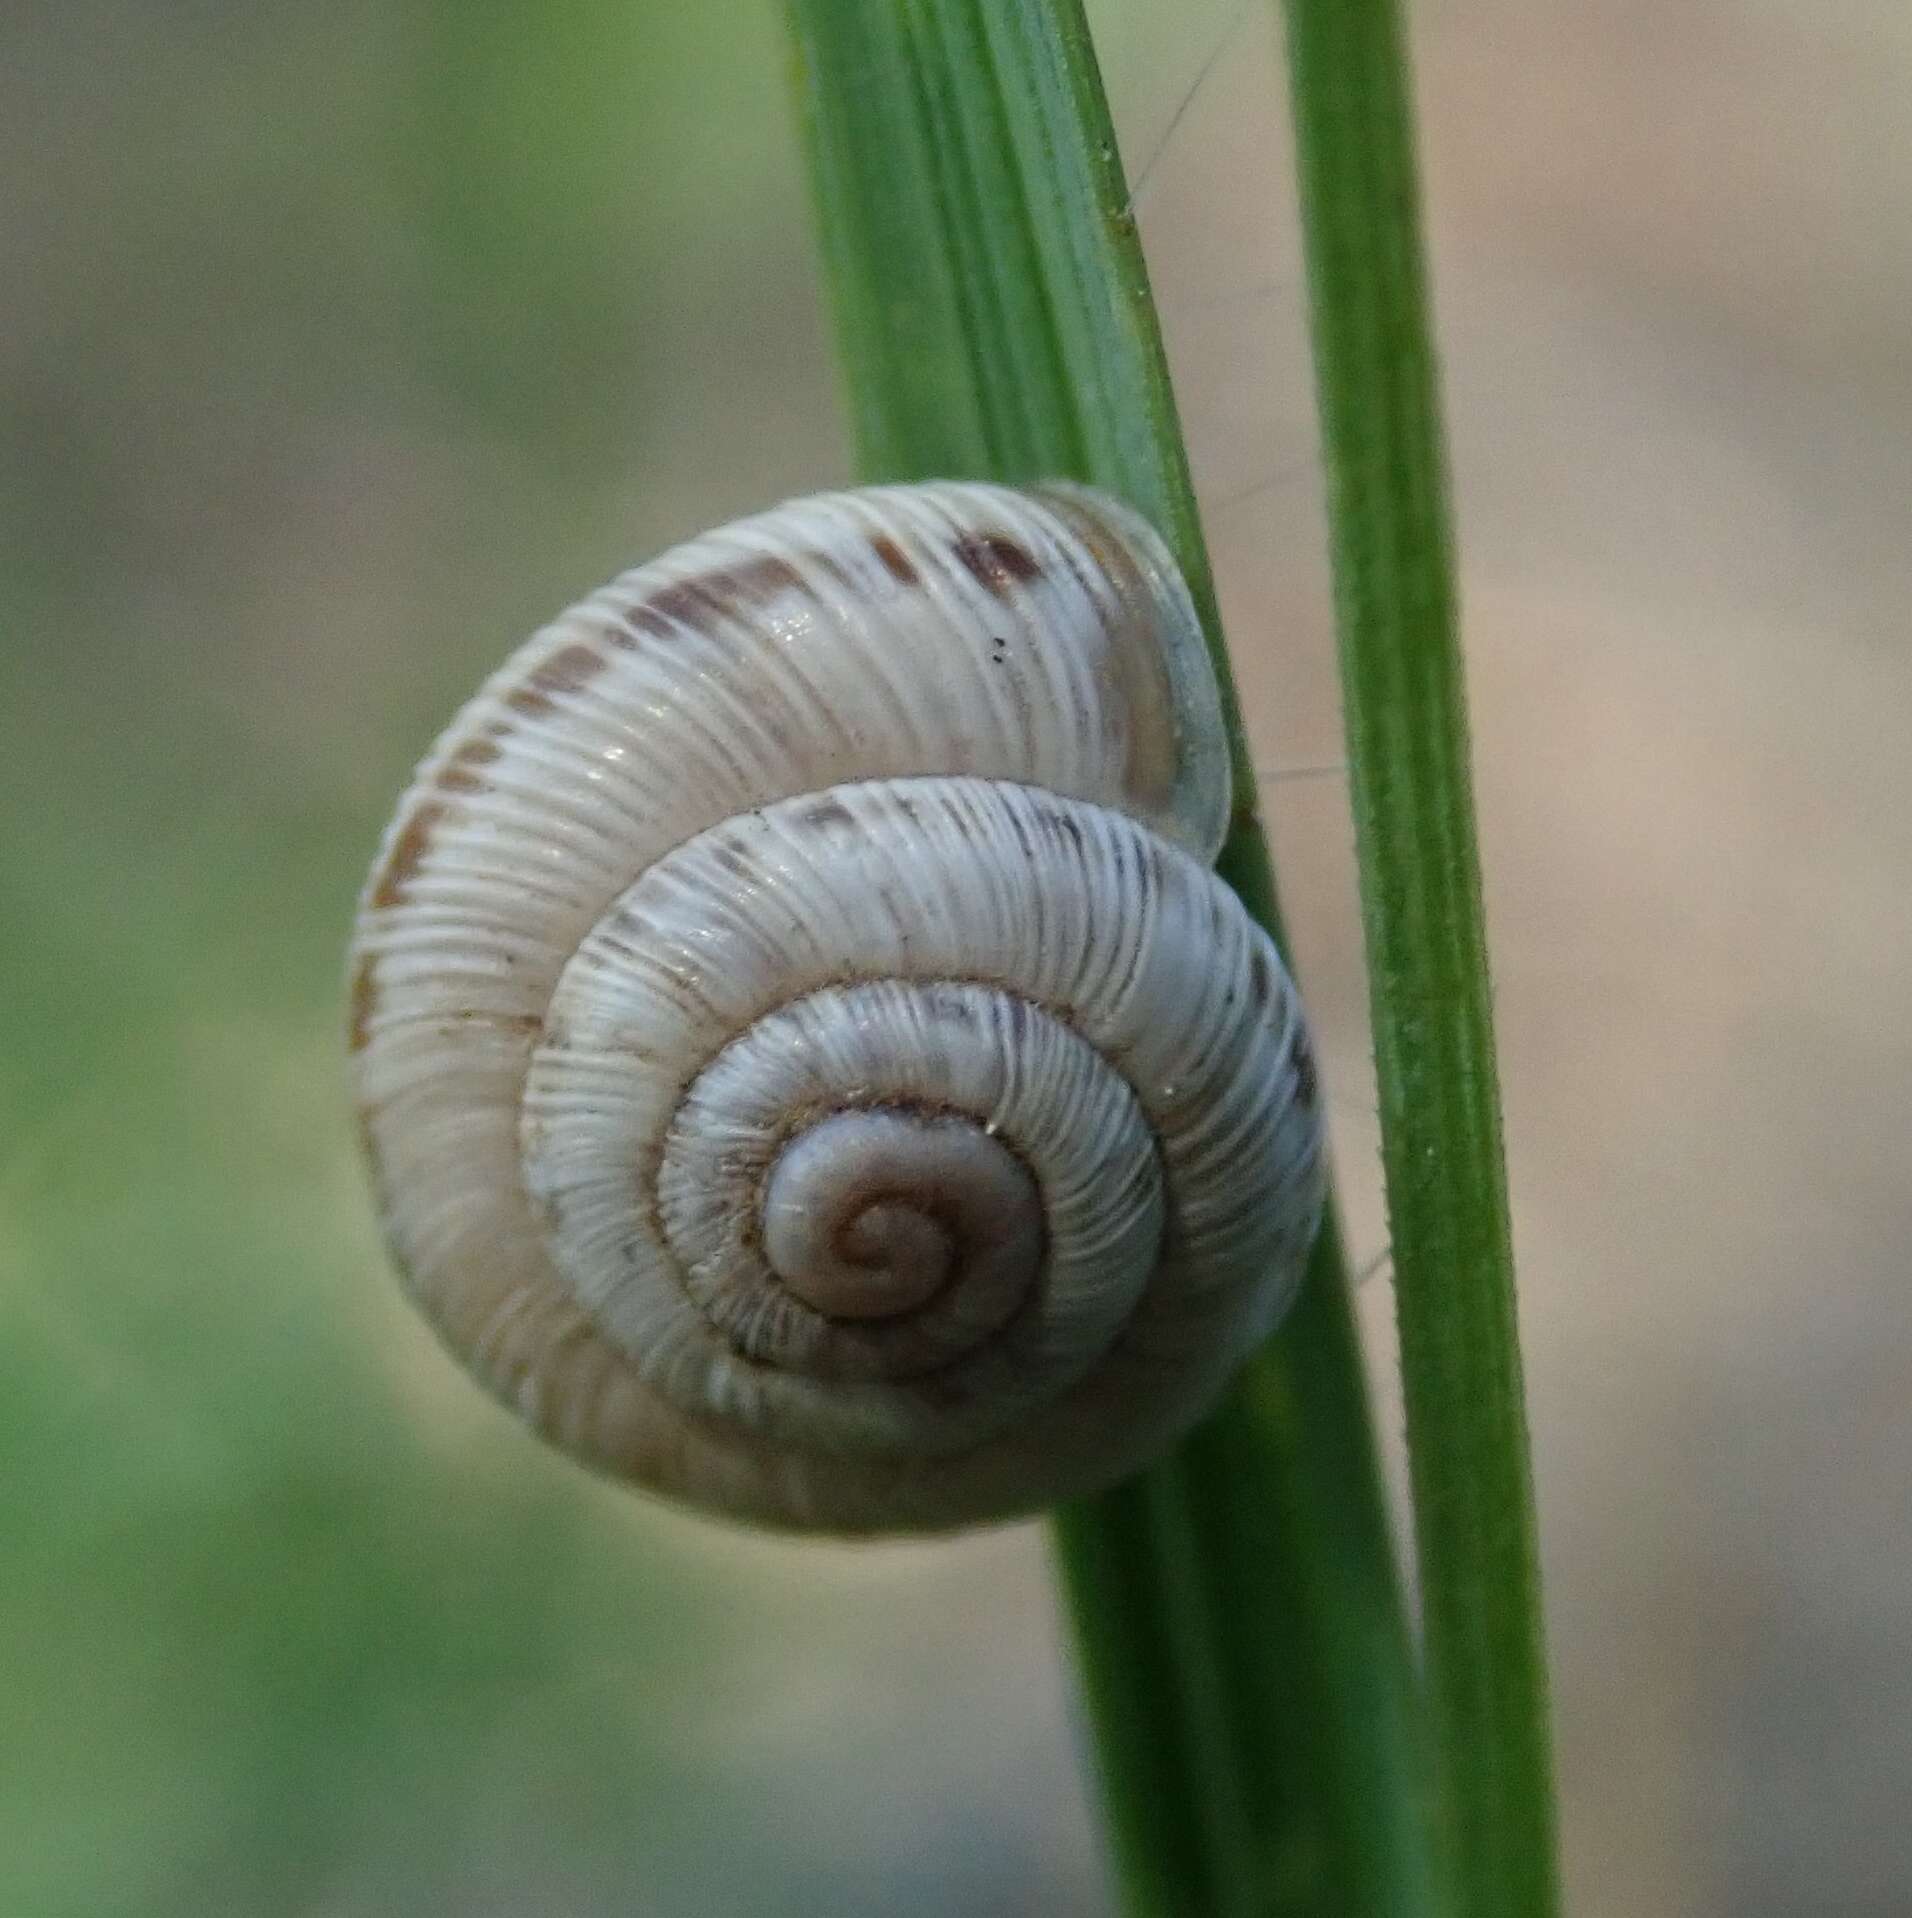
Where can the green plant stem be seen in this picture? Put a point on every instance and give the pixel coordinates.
(1237, 1607)
(1420, 888)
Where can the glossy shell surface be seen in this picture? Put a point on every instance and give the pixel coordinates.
(807, 1065)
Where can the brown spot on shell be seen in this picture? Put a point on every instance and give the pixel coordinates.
(689, 603)
(568, 668)
(679, 604)
(1109, 553)
(363, 1001)
(408, 852)
(460, 772)
(996, 561)
(896, 562)
(1145, 696)
(764, 577)
(649, 619)
(564, 671)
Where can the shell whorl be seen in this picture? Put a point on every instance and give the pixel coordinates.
(807, 1065)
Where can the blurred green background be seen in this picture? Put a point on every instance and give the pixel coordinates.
(338, 348)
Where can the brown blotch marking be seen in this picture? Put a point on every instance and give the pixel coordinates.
(408, 852)
(764, 577)
(563, 672)
(1301, 1061)
(568, 668)
(896, 562)
(677, 604)
(667, 612)
(460, 772)
(996, 561)
(1135, 661)
(364, 1002)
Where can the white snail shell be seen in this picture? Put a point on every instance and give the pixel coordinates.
(807, 1064)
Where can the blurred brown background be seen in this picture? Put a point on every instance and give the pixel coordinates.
(338, 347)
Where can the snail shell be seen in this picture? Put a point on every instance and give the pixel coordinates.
(807, 1065)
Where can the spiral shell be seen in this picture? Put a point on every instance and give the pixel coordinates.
(807, 1065)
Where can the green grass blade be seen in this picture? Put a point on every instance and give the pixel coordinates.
(1420, 885)
(1236, 1608)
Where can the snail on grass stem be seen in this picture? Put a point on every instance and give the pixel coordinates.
(808, 1066)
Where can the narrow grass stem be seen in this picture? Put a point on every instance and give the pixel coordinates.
(1421, 897)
